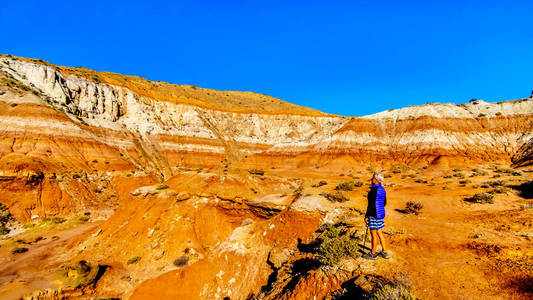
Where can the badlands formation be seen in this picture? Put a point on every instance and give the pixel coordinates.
(169, 191)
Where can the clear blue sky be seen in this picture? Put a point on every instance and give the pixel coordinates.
(345, 57)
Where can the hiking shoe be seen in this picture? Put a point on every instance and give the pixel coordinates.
(383, 254)
(371, 256)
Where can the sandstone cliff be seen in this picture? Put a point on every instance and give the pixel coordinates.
(60, 120)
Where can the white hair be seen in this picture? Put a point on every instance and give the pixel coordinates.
(379, 177)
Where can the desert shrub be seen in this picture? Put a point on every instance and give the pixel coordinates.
(412, 207)
(445, 188)
(337, 197)
(500, 190)
(260, 172)
(371, 170)
(411, 175)
(320, 183)
(133, 260)
(481, 198)
(459, 175)
(334, 245)
(97, 190)
(516, 173)
(464, 181)
(476, 186)
(398, 170)
(18, 250)
(345, 186)
(391, 291)
(484, 186)
(81, 219)
(4, 230)
(447, 176)
(495, 183)
(499, 113)
(161, 186)
(298, 191)
(77, 275)
(358, 184)
(5, 217)
(421, 181)
(181, 261)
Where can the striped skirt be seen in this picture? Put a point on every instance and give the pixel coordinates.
(375, 223)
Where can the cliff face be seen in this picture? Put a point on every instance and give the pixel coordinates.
(66, 120)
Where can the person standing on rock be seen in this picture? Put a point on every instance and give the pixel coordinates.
(375, 217)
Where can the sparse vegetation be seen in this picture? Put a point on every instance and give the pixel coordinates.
(133, 260)
(181, 261)
(345, 186)
(334, 245)
(298, 191)
(5, 217)
(391, 291)
(412, 207)
(320, 183)
(481, 198)
(464, 182)
(259, 172)
(337, 197)
(398, 170)
(18, 250)
(459, 175)
(161, 186)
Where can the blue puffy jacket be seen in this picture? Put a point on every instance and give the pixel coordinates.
(377, 199)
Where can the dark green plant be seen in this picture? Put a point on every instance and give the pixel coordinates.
(394, 290)
(345, 186)
(334, 245)
(337, 197)
(481, 198)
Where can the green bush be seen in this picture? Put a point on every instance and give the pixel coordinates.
(345, 186)
(337, 197)
(481, 198)
(334, 245)
(391, 291)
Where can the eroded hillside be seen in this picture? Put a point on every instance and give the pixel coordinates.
(183, 192)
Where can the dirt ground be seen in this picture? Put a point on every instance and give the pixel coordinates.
(452, 249)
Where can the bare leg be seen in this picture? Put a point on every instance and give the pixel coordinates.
(374, 234)
(382, 240)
